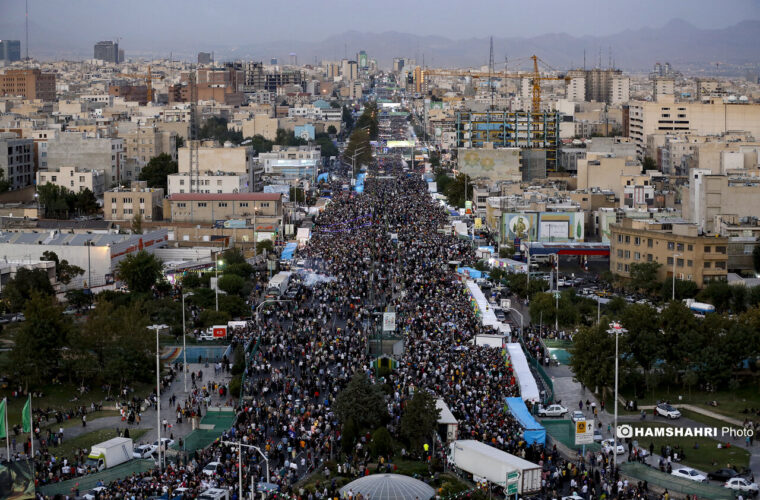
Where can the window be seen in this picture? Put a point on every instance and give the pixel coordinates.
(679, 247)
(627, 254)
(636, 256)
(619, 266)
(690, 247)
(620, 238)
(671, 245)
(720, 249)
(636, 240)
(219, 182)
(113, 211)
(707, 265)
(202, 204)
(708, 249)
(181, 205)
(182, 182)
(720, 265)
(222, 204)
(690, 263)
(81, 178)
(54, 178)
(627, 268)
(244, 204)
(265, 205)
(679, 262)
(670, 261)
(649, 257)
(142, 200)
(649, 242)
(620, 253)
(748, 249)
(627, 239)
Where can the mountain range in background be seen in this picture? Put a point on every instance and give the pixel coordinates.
(730, 50)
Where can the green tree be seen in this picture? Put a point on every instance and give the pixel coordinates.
(593, 356)
(685, 289)
(64, 272)
(454, 191)
(157, 170)
(332, 130)
(756, 258)
(216, 128)
(261, 144)
(231, 283)
(137, 223)
(4, 184)
(649, 163)
(53, 200)
(368, 119)
(326, 145)
(84, 202)
(644, 277)
(284, 137)
(267, 245)
(361, 402)
(27, 282)
(382, 443)
(347, 117)
(358, 150)
(210, 317)
(37, 350)
(717, 293)
(140, 271)
(419, 420)
(78, 299)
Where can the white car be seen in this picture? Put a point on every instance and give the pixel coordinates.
(667, 411)
(166, 443)
(741, 484)
(609, 444)
(94, 493)
(578, 416)
(690, 474)
(552, 411)
(213, 468)
(144, 451)
(573, 497)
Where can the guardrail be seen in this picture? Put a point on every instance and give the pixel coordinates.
(548, 383)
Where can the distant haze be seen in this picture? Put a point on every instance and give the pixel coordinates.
(237, 28)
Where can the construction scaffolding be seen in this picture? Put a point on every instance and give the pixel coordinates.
(506, 129)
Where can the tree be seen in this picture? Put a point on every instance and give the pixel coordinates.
(284, 137)
(137, 223)
(261, 144)
(332, 130)
(368, 119)
(231, 283)
(267, 245)
(593, 356)
(210, 317)
(644, 277)
(140, 271)
(358, 150)
(649, 163)
(685, 289)
(717, 293)
(756, 258)
(53, 199)
(347, 117)
(27, 282)
(419, 419)
(84, 202)
(157, 170)
(78, 299)
(64, 272)
(4, 184)
(326, 146)
(454, 191)
(361, 402)
(37, 351)
(382, 443)
(216, 128)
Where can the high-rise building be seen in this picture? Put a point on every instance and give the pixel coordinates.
(398, 64)
(273, 61)
(663, 85)
(107, 51)
(17, 159)
(10, 51)
(28, 83)
(363, 60)
(204, 58)
(293, 59)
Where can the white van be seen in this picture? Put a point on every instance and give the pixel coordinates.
(215, 494)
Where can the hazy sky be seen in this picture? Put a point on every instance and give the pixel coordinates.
(142, 22)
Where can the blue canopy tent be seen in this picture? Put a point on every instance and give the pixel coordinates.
(533, 432)
(288, 251)
(359, 187)
(323, 177)
(472, 272)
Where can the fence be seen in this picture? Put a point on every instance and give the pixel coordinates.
(548, 383)
(673, 484)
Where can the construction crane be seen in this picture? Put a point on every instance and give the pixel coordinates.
(148, 77)
(535, 76)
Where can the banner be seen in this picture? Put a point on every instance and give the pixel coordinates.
(26, 416)
(3, 409)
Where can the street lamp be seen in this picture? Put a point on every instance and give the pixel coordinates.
(616, 329)
(353, 159)
(217, 262)
(158, 397)
(521, 319)
(674, 275)
(240, 445)
(184, 334)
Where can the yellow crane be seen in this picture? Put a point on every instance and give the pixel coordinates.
(148, 77)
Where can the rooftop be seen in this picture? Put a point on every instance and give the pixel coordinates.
(226, 197)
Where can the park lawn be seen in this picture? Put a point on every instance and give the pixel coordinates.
(703, 419)
(76, 422)
(70, 446)
(730, 403)
(59, 396)
(706, 458)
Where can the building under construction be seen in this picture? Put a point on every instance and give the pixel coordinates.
(510, 129)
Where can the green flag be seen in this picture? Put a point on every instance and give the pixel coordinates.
(3, 430)
(26, 416)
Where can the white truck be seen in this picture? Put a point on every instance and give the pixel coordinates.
(278, 284)
(496, 466)
(109, 453)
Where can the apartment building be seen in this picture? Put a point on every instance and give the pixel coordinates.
(123, 204)
(208, 182)
(143, 142)
(214, 160)
(74, 179)
(209, 208)
(88, 153)
(696, 258)
(711, 117)
(28, 83)
(269, 160)
(606, 172)
(712, 195)
(16, 159)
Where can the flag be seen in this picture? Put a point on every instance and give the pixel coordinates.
(26, 416)
(3, 430)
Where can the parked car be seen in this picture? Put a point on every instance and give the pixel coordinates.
(741, 484)
(609, 444)
(578, 416)
(690, 474)
(551, 411)
(144, 451)
(213, 468)
(165, 443)
(500, 315)
(206, 335)
(724, 475)
(597, 436)
(667, 411)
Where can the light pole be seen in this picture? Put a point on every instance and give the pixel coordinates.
(158, 397)
(240, 445)
(521, 319)
(674, 275)
(184, 334)
(353, 160)
(616, 329)
(216, 270)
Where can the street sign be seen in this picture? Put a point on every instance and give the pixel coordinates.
(389, 322)
(513, 476)
(584, 432)
(512, 489)
(506, 304)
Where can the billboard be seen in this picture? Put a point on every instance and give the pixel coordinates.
(493, 164)
(219, 331)
(400, 144)
(543, 226)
